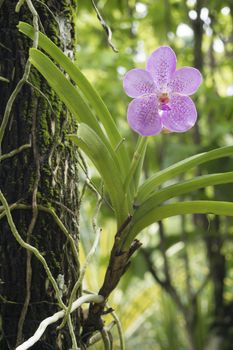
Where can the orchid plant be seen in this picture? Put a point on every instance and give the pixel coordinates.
(160, 102)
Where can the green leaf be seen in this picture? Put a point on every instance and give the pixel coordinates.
(96, 150)
(180, 208)
(149, 185)
(68, 94)
(65, 90)
(87, 89)
(181, 188)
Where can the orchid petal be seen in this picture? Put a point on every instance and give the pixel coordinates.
(182, 115)
(162, 65)
(186, 81)
(143, 115)
(138, 82)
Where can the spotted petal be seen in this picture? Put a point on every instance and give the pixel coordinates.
(143, 115)
(138, 82)
(182, 115)
(186, 81)
(162, 65)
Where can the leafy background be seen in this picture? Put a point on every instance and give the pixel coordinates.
(201, 34)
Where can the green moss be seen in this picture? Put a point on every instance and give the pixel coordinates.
(56, 263)
(43, 126)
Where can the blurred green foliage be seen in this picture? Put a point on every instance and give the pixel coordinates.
(201, 33)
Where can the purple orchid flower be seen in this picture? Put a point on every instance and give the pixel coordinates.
(160, 95)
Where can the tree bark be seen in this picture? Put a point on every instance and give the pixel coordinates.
(48, 170)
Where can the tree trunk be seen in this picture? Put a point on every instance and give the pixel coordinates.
(45, 172)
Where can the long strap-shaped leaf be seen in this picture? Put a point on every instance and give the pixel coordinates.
(87, 89)
(180, 208)
(65, 90)
(68, 94)
(181, 188)
(99, 154)
(150, 185)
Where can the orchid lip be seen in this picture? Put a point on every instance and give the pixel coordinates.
(164, 107)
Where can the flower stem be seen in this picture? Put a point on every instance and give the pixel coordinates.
(135, 167)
